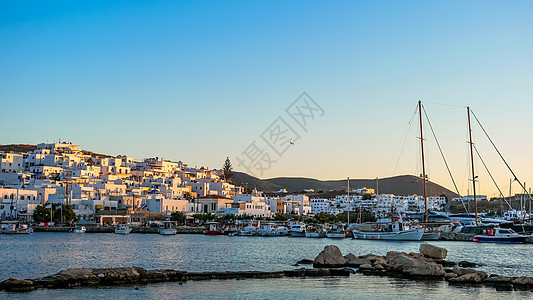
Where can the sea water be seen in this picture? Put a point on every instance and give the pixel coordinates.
(41, 254)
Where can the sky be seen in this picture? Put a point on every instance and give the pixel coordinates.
(199, 81)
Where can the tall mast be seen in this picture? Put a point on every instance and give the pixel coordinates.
(423, 162)
(348, 201)
(472, 160)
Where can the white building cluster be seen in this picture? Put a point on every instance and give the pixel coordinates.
(381, 205)
(63, 173)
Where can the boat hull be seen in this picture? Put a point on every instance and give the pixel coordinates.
(336, 235)
(167, 231)
(123, 231)
(213, 232)
(315, 235)
(406, 235)
(297, 233)
(497, 239)
(16, 231)
(431, 236)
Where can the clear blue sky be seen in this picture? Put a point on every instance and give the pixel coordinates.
(200, 80)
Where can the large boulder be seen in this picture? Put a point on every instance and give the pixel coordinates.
(462, 271)
(433, 251)
(16, 285)
(467, 264)
(416, 267)
(305, 262)
(330, 257)
(523, 282)
(499, 281)
(355, 261)
(476, 277)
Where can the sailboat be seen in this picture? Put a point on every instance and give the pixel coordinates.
(429, 234)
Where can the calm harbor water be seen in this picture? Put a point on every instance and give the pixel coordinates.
(40, 254)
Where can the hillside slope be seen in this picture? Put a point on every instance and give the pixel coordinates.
(398, 185)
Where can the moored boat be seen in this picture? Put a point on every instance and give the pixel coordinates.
(298, 230)
(315, 232)
(336, 231)
(168, 228)
(123, 229)
(79, 229)
(500, 235)
(398, 231)
(249, 230)
(214, 229)
(272, 230)
(15, 227)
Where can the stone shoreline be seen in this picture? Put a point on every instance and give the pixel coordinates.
(86, 277)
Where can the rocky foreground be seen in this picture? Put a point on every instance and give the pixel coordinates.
(71, 278)
(429, 263)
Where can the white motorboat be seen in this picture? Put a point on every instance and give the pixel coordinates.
(123, 229)
(168, 228)
(249, 230)
(80, 229)
(298, 230)
(272, 230)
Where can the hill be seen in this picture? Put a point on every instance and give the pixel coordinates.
(24, 148)
(17, 148)
(398, 185)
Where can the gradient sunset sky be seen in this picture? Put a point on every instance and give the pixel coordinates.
(201, 80)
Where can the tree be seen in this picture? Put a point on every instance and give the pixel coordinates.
(187, 196)
(42, 214)
(280, 217)
(178, 216)
(367, 197)
(227, 170)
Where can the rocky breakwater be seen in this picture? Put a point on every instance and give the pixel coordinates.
(87, 277)
(429, 264)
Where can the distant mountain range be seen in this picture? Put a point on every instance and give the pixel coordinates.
(397, 185)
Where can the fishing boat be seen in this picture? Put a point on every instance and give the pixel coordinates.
(272, 230)
(336, 231)
(316, 232)
(214, 229)
(298, 230)
(397, 231)
(15, 227)
(500, 235)
(168, 228)
(249, 230)
(80, 229)
(123, 229)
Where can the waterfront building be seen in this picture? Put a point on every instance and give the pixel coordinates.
(209, 204)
